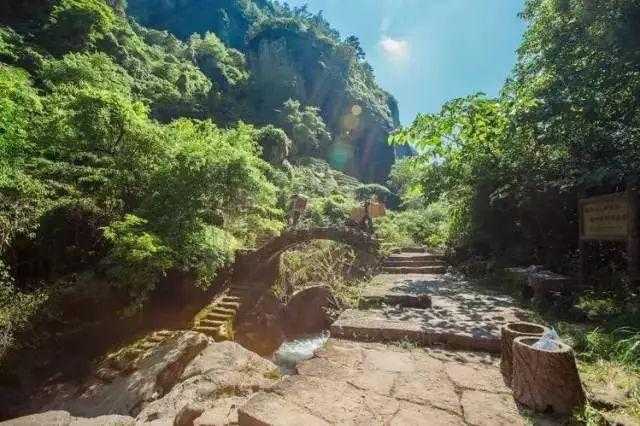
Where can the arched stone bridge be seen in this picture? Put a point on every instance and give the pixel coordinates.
(354, 237)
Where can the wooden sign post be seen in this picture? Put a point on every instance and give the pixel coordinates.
(612, 217)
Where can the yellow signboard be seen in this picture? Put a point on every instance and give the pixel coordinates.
(605, 218)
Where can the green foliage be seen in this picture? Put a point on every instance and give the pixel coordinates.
(322, 262)
(305, 127)
(77, 24)
(16, 311)
(90, 182)
(275, 144)
(92, 69)
(331, 194)
(212, 170)
(291, 54)
(21, 197)
(137, 259)
(224, 66)
(18, 104)
(561, 129)
(427, 226)
(112, 172)
(366, 192)
(620, 345)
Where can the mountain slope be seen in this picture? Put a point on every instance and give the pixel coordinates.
(291, 54)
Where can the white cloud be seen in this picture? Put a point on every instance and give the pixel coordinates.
(395, 50)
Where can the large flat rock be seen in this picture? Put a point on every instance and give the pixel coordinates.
(375, 384)
(460, 316)
(405, 290)
(63, 418)
(187, 379)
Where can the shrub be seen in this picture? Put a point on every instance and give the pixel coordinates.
(428, 226)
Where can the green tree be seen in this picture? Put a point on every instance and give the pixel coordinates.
(305, 127)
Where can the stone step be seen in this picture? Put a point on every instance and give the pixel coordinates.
(415, 270)
(231, 299)
(229, 305)
(375, 326)
(221, 310)
(422, 301)
(413, 250)
(212, 323)
(213, 316)
(429, 262)
(136, 351)
(415, 256)
(146, 345)
(411, 291)
(209, 331)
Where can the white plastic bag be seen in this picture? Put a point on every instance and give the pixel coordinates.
(548, 341)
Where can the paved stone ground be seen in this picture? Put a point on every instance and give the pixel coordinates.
(375, 384)
(378, 376)
(460, 317)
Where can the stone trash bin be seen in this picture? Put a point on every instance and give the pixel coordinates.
(510, 331)
(546, 379)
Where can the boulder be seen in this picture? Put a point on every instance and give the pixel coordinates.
(211, 388)
(260, 327)
(187, 379)
(127, 394)
(308, 311)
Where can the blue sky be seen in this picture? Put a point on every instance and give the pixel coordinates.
(426, 52)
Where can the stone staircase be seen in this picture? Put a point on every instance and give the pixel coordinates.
(217, 318)
(414, 261)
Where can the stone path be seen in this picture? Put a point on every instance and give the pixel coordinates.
(454, 314)
(373, 383)
(390, 362)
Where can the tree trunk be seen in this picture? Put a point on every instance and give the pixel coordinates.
(509, 332)
(546, 380)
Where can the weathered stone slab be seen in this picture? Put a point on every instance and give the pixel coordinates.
(476, 377)
(414, 269)
(413, 414)
(220, 379)
(459, 317)
(155, 375)
(63, 418)
(268, 409)
(378, 384)
(490, 409)
(414, 325)
(411, 290)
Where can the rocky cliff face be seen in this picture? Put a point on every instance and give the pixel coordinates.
(298, 66)
(293, 55)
